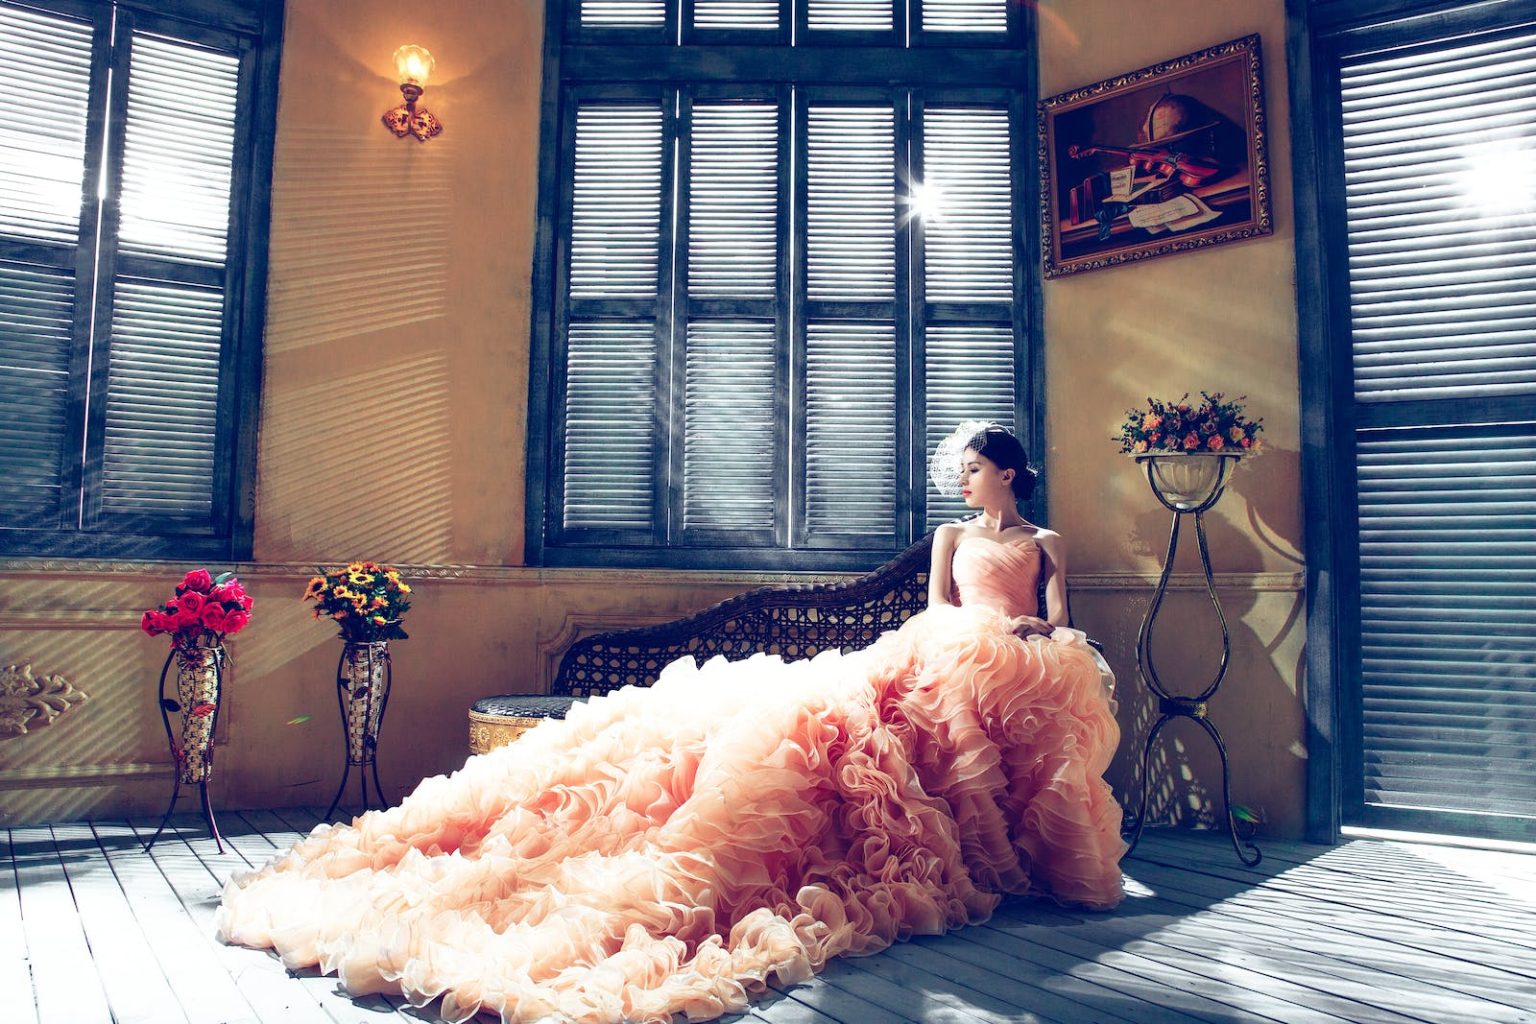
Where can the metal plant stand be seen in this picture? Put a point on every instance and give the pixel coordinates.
(1186, 487)
(199, 688)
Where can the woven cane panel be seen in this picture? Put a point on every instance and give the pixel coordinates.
(794, 621)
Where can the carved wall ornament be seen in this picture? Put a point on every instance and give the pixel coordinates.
(28, 704)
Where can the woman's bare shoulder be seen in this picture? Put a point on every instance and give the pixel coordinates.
(1050, 540)
(948, 533)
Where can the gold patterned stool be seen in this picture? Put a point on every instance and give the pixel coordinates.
(497, 721)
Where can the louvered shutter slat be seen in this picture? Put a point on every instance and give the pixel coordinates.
(1416, 128)
(1448, 617)
(850, 442)
(729, 412)
(178, 151)
(162, 400)
(850, 15)
(616, 202)
(969, 375)
(623, 13)
(733, 201)
(965, 15)
(610, 367)
(736, 14)
(969, 243)
(609, 448)
(45, 73)
(850, 367)
(730, 408)
(851, 203)
(36, 339)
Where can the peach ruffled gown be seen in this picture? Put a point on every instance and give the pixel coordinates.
(666, 850)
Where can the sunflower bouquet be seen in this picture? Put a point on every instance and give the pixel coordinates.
(366, 600)
(1214, 424)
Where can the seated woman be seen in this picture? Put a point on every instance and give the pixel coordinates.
(667, 850)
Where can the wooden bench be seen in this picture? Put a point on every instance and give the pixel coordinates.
(791, 620)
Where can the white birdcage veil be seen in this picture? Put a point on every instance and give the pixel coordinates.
(944, 464)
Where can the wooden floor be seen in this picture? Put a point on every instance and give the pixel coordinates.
(92, 929)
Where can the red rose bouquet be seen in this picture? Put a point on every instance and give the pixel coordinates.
(204, 611)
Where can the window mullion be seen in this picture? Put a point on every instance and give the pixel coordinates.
(907, 320)
(672, 316)
(75, 457)
(109, 222)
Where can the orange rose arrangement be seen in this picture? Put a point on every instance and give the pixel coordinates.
(366, 600)
(1214, 424)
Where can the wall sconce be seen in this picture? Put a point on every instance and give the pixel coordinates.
(413, 65)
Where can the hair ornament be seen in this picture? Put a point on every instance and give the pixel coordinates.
(944, 464)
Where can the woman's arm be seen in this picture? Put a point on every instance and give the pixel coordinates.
(1053, 552)
(940, 582)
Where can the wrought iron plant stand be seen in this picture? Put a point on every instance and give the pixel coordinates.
(363, 677)
(199, 692)
(1186, 485)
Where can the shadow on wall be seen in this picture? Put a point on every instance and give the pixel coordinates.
(359, 236)
(361, 461)
(1256, 709)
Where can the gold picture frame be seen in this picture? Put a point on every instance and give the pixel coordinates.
(1165, 159)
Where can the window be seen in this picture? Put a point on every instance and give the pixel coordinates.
(136, 160)
(787, 246)
(1427, 226)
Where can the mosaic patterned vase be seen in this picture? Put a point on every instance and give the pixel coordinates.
(199, 677)
(362, 680)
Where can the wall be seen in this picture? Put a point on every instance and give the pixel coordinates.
(393, 418)
(1217, 319)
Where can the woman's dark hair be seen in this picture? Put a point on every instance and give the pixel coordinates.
(1003, 450)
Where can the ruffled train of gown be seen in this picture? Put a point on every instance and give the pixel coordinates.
(668, 850)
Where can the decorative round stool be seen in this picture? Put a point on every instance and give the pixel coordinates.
(497, 721)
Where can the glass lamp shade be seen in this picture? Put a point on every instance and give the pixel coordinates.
(1188, 483)
(413, 65)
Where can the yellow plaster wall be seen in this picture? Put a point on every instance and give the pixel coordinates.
(393, 423)
(1217, 319)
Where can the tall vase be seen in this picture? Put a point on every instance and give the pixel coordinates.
(198, 682)
(199, 687)
(363, 677)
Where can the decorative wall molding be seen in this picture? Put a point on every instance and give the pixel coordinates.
(530, 576)
(515, 575)
(70, 618)
(29, 703)
(82, 775)
(1274, 582)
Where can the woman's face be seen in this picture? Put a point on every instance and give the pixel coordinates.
(982, 483)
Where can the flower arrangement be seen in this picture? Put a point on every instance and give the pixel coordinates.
(205, 610)
(1214, 425)
(366, 600)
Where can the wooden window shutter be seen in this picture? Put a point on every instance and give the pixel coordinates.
(1437, 170)
(46, 78)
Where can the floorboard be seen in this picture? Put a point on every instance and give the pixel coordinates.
(15, 961)
(94, 929)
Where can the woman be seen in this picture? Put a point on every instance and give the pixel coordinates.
(669, 850)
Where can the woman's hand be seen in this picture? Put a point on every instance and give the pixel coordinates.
(1025, 626)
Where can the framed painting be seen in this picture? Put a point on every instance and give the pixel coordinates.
(1168, 158)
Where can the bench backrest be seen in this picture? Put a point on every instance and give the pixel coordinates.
(793, 621)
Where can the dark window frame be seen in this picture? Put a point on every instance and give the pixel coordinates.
(611, 61)
(1317, 32)
(254, 28)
